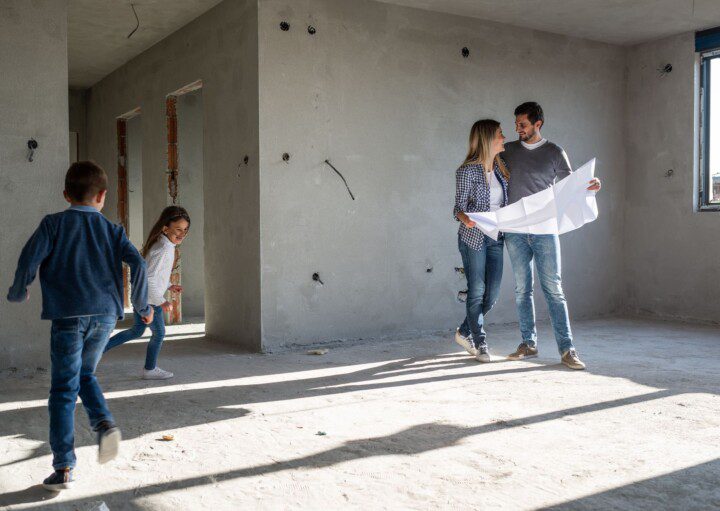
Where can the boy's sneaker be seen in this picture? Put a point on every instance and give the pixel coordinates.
(571, 359)
(156, 374)
(108, 441)
(483, 354)
(61, 479)
(523, 351)
(465, 342)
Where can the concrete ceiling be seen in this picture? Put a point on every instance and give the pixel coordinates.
(98, 29)
(622, 22)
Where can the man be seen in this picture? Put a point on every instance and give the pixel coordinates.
(535, 164)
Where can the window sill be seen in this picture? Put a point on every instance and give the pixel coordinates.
(706, 209)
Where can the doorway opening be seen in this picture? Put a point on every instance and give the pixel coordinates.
(129, 193)
(185, 122)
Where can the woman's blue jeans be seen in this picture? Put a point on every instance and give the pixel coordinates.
(157, 327)
(483, 271)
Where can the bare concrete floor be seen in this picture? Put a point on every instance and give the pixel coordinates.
(410, 424)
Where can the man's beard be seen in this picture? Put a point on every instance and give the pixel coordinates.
(527, 136)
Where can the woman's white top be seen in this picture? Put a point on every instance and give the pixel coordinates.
(160, 261)
(496, 192)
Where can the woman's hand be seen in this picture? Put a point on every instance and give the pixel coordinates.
(466, 220)
(167, 307)
(175, 289)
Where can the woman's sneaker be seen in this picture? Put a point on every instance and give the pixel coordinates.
(483, 354)
(108, 441)
(570, 358)
(61, 479)
(465, 342)
(156, 374)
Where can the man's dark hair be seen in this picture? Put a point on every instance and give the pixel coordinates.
(533, 111)
(84, 180)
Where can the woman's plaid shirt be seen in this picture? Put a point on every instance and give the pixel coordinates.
(472, 195)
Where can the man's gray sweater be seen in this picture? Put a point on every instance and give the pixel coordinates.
(533, 170)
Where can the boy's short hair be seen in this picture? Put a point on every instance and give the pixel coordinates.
(84, 180)
(533, 111)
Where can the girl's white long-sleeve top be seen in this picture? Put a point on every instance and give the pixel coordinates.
(160, 261)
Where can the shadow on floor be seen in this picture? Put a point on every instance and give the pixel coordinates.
(690, 489)
(409, 442)
(167, 411)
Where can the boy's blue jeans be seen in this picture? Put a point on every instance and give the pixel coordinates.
(545, 250)
(76, 345)
(157, 327)
(483, 271)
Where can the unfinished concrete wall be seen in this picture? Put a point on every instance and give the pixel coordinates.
(34, 104)
(384, 92)
(78, 119)
(219, 47)
(671, 249)
(190, 196)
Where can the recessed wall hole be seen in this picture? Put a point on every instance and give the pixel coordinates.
(311, 30)
(460, 270)
(286, 157)
(246, 159)
(32, 145)
(316, 278)
(462, 296)
(429, 269)
(284, 26)
(465, 52)
(669, 173)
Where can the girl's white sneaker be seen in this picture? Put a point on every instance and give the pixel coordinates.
(156, 374)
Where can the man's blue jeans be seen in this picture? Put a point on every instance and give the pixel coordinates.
(545, 250)
(157, 327)
(483, 271)
(76, 345)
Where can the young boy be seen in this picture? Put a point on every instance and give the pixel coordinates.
(80, 255)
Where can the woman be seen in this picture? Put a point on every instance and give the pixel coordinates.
(480, 185)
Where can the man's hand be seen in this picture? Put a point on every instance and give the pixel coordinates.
(175, 289)
(149, 318)
(466, 220)
(167, 307)
(595, 185)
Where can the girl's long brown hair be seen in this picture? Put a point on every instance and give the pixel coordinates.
(169, 215)
(482, 134)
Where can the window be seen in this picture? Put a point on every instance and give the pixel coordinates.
(707, 43)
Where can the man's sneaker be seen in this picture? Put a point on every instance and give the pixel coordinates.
(156, 374)
(61, 479)
(465, 342)
(108, 441)
(570, 359)
(483, 354)
(523, 351)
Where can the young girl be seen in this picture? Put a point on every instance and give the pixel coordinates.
(159, 252)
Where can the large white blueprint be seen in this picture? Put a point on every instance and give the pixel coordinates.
(565, 206)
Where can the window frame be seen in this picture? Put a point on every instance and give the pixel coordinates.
(705, 185)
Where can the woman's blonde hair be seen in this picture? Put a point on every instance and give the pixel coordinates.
(482, 135)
